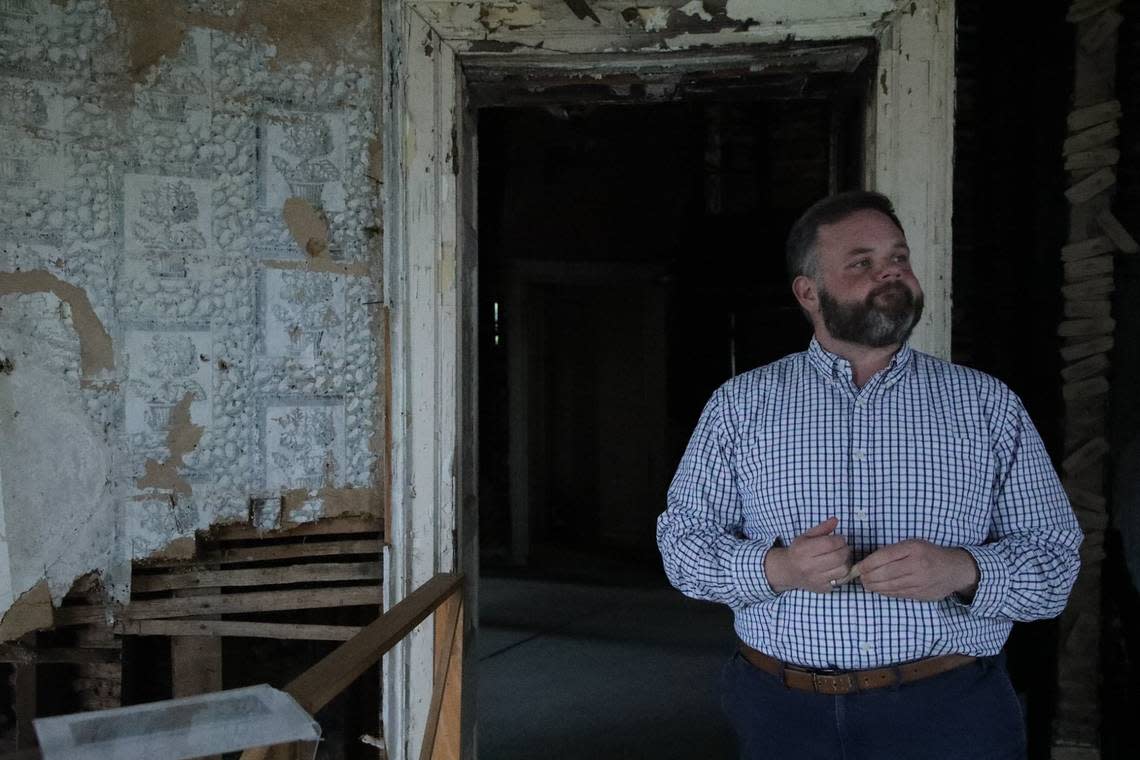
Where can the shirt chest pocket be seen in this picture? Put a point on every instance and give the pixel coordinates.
(936, 488)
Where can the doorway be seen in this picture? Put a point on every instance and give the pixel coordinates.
(442, 62)
(630, 261)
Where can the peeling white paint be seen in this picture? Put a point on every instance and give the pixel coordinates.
(509, 15)
(696, 8)
(59, 508)
(654, 19)
(162, 202)
(791, 11)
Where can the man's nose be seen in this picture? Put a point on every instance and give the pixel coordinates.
(891, 270)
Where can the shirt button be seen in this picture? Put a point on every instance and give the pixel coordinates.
(860, 455)
(861, 403)
(866, 647)
(860, 514)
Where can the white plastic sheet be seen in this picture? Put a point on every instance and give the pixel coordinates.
(178, 729)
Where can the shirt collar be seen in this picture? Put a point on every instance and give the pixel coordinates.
(834, 367)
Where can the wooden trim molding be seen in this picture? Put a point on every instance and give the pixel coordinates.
(429, 226)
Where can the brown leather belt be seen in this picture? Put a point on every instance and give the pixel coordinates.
(849, 681)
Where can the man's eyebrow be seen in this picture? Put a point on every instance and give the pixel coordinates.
(862, 249)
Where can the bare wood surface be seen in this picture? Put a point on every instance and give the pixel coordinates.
(1094, 137)
(1087, 248)
(449, 618)
(1093, 159)
(24, 702)
(257, 576)
(1089, 288)
(1086, 348)
(323, 527)
(1097, 386)
(1086, 269)
(1091, 186)
(1089, 367)
(239, 628)
(1116, 232)
(1086, 456)
(316, 686)
(22, 655)
(1097, 309)
(32, 753)
(258, 601)
(1090, 116)
(1076, 328)
(280, 552)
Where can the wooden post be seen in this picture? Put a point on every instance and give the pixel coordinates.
(1087, 336)
(24, 697)
(442, 737)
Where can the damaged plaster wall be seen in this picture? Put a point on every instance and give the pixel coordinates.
(188, 276)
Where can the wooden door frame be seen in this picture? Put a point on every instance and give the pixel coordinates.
(429, 235)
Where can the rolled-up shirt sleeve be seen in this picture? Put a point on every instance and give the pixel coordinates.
(700, 534)
(1029, 565)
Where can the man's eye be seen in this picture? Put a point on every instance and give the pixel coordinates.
(861, 263)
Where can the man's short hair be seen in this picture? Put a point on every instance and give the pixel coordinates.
(800, 251)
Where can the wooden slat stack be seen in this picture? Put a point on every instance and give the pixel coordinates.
(240, 573)
(1086, 332)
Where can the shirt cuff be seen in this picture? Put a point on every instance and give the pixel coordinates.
(748, 570)
(993, 581)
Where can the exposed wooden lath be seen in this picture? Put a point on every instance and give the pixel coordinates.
(791, 71)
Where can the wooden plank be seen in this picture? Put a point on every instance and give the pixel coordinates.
(238, 629)
(1086, 348)
(441, 740)
(316, 686)
(1088, 309)
(24, 698)
(1086, 456)
(1093, 137)
(32, 753)
(323, 527)
(258, 576)
(1091, 186)
(196, 661)
(1099, 31)
(276, 552)
(1086, 269)
(1083, 389)
(1082, 10)
(1092, 366)
(1090, 116)
(1085, 249)
(1073, 328)
(1116, 232)
(228, 604)
(16, 653)
(1087, 290)
(1092, 159)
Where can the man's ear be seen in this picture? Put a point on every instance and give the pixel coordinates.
(806, 293)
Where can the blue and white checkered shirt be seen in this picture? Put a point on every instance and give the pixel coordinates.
(926, 449)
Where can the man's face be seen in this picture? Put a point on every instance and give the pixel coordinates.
(866, 293)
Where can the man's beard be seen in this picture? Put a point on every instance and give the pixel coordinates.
(871, 324)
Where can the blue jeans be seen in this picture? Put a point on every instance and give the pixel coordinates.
(970, 713)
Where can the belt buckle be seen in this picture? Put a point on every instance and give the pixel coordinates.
(819, 685)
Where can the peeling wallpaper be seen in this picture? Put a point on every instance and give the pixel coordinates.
(173, 344)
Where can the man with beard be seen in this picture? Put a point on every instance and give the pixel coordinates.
(875, 517)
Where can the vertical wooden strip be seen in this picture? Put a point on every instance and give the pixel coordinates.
(24, 697)
(196, 661)
(442, 735)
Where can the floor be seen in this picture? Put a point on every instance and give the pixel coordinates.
(576, 671)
